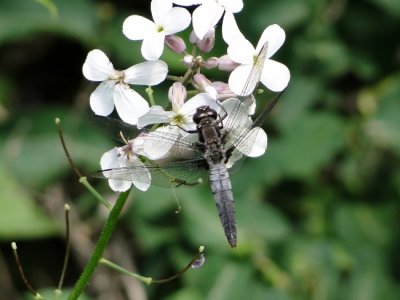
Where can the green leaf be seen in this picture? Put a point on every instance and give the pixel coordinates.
(232, 283)
(307, 146)
(20, 217)
(50, 6)
(391, 7)
(21, 18)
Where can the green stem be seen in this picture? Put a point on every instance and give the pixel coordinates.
(106, 262)
(149, 92)
(94, 192)
(100, 247)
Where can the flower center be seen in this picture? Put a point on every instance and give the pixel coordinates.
(159, 28)
(118, 75)
(178, 119)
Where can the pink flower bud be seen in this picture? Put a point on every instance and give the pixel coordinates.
(177, 95)
(193, 38)
(175, 43)
(205, 85)
(223, 90)
(207, 43)
(189, 61)
(226, 64)
(210, 63)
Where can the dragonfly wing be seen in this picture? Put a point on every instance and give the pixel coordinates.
(114, 127)
(180, 173)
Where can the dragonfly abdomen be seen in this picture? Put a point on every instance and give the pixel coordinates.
(223, 196)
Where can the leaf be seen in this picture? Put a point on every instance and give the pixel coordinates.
(307, 146)
(232, 283)
(260, 221)
(391, 7)
(21, 18)
(50, 6)
(20, 217)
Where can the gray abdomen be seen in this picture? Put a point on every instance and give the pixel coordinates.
(223, 196)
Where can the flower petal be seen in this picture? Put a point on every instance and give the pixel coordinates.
(205, 17)
(155, 147)
(241, 51)
(190, 106)
(232, 5)
(111, 160)
(238, 79)
(255, 143)
(177, 19)
(141, 179)
(159, 9)
(129, 104)
(153, 45)
(101, 99)
(155, 115)
(275, 36)
(137, 27)
(97, 66)
(146, 73)
(230, 30)
(275, 75)
(187, 2)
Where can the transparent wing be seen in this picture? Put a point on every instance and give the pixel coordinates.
(184, 148)
(236, 117)
(255, 73)
(179, 173)
(184, 163)
(240, 135)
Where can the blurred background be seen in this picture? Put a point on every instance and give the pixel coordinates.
(318, 215)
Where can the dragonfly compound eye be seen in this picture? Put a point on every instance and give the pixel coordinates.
(200, 113)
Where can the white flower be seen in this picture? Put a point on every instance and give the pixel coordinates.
(207, 15)
(251, 144)
(114, 88)
(116, 163)
(181, 115)
(274, 75)
(167, 20)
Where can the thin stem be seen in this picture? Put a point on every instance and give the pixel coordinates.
(100, 247)
(150, 93)
(67, 247)
(147, 280)
(94, 192)
(196, 262)
(35, 294)
(71, 162)
(82, 179)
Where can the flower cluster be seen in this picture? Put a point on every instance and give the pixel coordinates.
(247, 65)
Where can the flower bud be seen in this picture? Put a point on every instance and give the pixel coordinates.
(210, 63)
(223, 90)
(207, 43)
(177, 95)
(189, 61)
(193, 38)
(226, 64)
(175, 43)
(205, 85)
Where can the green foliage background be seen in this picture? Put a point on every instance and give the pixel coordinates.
(318, 215)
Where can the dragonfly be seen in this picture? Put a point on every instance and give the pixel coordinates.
(221, 139)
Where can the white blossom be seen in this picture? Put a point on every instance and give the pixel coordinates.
(274, 75)
(167, 20)
(114, 89)
(181, 115)
(124, 168)
(207, 15)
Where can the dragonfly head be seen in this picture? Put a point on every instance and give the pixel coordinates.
(204, 112)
